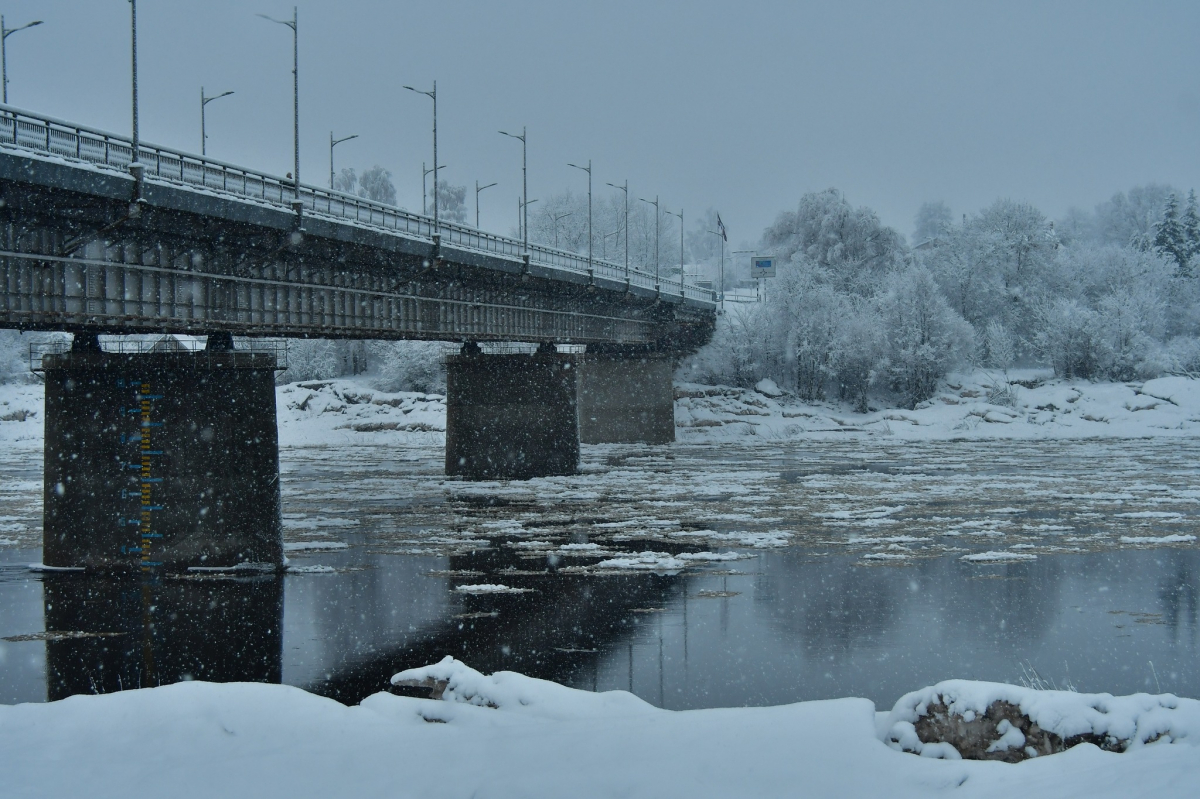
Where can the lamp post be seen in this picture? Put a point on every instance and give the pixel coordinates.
(135, 148)
(424, 196)
(657, 217)
(478, 189)
(203, 102)
(680, 215)
(625, 189)
(720, 270)
(294, 24)
(333, 143)
(432, 94)
(5, 32)
(604, 242)
(524, 220)
(560, 216)
(587, 169)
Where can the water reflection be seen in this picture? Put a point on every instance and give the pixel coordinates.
(557, 629)
(109, 634)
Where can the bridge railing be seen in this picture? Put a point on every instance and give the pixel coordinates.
(45, 134)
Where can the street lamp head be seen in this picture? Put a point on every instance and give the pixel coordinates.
(488, 186)
(290, 23)
(515, 136)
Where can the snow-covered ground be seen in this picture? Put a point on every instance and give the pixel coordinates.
(1028, 404)
(507, 735)
(869, 489)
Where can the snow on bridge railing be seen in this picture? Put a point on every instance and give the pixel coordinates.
(38, 132)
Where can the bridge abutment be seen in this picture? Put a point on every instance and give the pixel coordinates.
(160, 460)
(511, 416)
(626, 398)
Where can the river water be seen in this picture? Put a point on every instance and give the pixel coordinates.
(692, 575)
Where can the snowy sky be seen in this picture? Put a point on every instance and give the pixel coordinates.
(741, 106)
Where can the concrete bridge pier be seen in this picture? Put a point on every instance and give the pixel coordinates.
(511, 417)
(160, 460)
(626, 397)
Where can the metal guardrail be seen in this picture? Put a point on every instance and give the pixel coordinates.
(165, 344)
(37, 132)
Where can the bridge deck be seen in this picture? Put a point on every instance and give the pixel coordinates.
(215, 246)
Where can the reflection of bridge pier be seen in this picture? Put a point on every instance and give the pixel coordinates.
(109, 634)
(559, 631)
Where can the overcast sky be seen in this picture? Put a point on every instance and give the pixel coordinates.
(742, 106)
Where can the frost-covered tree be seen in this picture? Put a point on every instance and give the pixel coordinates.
(999, 346)
(451, 201)
(376, 184)
(1190, 222)
(1069, 337)
(1128, 218)
(856, 249)
(1169, 238)
(346, 181)
(933, 221)
(924, 335)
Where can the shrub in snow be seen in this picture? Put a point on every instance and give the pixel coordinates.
(992, 721)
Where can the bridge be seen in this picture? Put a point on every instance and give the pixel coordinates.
(169, 458)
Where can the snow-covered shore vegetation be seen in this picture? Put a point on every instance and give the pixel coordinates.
(507, 735)
(858, 316)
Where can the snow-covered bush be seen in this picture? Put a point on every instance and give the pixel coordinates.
(858, 350)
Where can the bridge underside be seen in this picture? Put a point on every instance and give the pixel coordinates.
(76, 254)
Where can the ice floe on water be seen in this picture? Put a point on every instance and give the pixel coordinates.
(996, 557)
(490, 588)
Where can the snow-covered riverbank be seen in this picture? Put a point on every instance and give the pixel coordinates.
(1029, 404)
(512, 736)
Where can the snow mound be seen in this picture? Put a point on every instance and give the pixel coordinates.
(993, 721)
(453, 681)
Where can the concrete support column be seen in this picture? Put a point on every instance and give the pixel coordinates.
(511, 417)
(161, 461)
(626, 398)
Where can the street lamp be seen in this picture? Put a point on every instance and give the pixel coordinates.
(680, 215)
(625, 189)
(424, 196)
(432, 94)
(294, 24)
(478, 189)
(203, 102)
(333, 143)
(4, 34)
(556, 218)
(588, 169)
(524, 220)
(721, 269)
(657, 216)
(134, 164)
